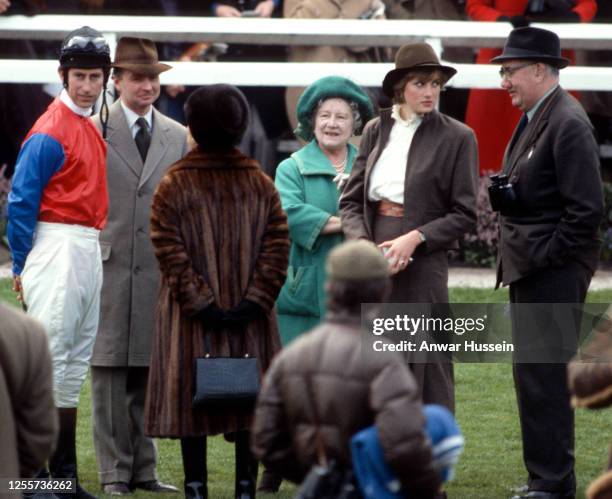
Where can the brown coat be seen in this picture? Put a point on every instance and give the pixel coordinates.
(28, 419)
(326, 371)
(220, 235)
(131, 274)
(440, 186)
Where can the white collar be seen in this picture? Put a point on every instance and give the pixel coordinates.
(131, 116)
(81, 111)
(397, 116)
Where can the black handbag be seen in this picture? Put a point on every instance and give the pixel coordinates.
(224, 381)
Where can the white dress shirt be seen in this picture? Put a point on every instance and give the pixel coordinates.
(389, 172)
(131, 118)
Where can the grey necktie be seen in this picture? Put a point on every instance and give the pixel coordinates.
(142, 138)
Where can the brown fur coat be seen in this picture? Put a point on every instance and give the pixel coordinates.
(220, 235)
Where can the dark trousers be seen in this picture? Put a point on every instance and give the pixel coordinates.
(546, 417)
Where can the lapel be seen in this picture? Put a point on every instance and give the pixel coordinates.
(311, 160)
(157, 149)
(120, 139)
(532, 131)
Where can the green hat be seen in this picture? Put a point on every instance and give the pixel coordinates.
(358, 260)
(330, 87)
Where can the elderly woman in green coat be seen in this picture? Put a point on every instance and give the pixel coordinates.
(330, 112)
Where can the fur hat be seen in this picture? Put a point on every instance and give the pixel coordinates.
(330, 87)
(414, 57)
(217, 116)
(357, 261)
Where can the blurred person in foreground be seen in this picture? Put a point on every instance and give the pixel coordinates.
(330, 112)
(323, 389)
(221, 239)
(412, 191)
(28, 418)
(58, 205)
(551, 205)
(590, 383)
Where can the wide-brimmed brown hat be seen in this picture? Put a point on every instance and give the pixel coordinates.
(138, 55)
(414, 56)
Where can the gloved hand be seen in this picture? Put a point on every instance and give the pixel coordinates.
(212, 316)
(516, 21)
(244, 312)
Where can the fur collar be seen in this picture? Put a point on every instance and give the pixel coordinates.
(197, 159)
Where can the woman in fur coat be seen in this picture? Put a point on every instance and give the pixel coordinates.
(222, 242)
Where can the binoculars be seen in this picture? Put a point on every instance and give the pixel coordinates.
(501, 194)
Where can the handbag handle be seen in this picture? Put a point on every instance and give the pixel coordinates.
(208, 349)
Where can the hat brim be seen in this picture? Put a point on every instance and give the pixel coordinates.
(558, 62)
(146, 69)
(395, 75)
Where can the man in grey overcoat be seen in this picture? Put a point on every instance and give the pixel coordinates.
(142, 144)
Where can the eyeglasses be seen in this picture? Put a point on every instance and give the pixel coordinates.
(508, 71)
(86, 42)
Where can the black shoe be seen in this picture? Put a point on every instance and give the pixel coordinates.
(526, 493)
(80, 493)
(196, 490)
(156, 487)
(116, 489)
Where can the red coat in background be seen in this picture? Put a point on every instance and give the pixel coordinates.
(490, 113)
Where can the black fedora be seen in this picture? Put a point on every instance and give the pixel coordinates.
(533, 44)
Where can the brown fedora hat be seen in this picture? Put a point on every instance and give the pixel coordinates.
(410, 57)
(138, 55)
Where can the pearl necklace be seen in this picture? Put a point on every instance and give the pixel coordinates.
(340, 167)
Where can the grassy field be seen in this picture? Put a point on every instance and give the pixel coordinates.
(487, 414)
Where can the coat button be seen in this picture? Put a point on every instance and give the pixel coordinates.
(137, 270)
(140, 230)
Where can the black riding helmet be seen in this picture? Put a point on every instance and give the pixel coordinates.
(86, 48)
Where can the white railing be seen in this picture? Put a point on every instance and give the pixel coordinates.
(342, 32)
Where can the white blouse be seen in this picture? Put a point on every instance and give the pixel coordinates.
(389, 172)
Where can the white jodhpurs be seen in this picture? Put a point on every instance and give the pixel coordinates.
(61, 281)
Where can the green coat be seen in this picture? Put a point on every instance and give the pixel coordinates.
(309, 197)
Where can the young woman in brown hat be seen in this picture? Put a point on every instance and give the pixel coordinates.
(412, 190)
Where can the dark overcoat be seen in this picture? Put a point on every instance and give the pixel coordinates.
(554, 168)
(220, 236)
(131, 275)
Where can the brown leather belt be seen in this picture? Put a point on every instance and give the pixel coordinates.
(390, 209)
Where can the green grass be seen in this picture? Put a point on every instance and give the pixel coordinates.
(486, 410)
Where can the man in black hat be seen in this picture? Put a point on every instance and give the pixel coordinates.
(551, 206)
(142, 144)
